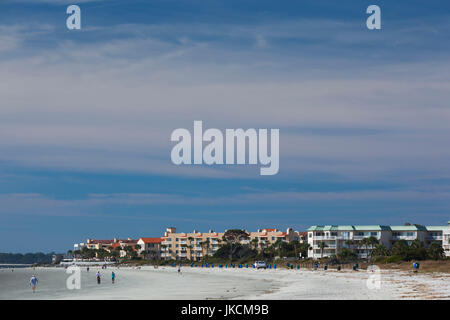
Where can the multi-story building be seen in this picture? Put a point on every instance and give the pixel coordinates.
(446, 240)
(334, 238)
(189, 246)
(196, 245)
(104, 244)
(264, 238)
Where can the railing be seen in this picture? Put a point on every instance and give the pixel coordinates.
(329, 246)
(434, 238)
(404, 237)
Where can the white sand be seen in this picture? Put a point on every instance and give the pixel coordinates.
(197, 283)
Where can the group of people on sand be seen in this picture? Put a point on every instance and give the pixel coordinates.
(34, 280)
(99, 277)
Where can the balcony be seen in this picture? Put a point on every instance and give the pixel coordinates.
(439, 238)
(404, 237)
(329, 246)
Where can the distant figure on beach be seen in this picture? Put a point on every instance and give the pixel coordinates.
(179, 268)
(98, 277)
(33, 282)
(416, 267)
(113, 277)
(87, 269)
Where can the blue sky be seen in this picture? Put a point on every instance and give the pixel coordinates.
(86, 116)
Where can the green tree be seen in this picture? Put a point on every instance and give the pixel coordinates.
(278, 245)
(304, 248)
(233, 238)
(380, 250)
(322, 246)
(435, 251)
(346, 255)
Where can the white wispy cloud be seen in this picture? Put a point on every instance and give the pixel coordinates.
(112, 104)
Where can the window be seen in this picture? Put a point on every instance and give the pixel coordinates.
(176, 239)
(273, 238)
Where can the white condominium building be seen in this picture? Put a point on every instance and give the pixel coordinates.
(446, 240)
(325, 241)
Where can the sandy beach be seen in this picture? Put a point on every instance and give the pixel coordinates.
(200, 284)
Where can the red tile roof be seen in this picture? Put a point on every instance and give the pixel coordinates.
(100, 241)
(151, 240)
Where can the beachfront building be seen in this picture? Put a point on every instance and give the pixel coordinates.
(325, 241)
(107, 244)
(189, 246)
(196, 245)
(150, 247)
(264, 238)
(446, 240)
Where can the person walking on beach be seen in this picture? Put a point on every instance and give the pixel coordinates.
(179, 268)
(113, 277)
(33, 282)
(98, 277)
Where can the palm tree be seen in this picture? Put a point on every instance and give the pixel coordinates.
(322, 246)
(254, 243)
(372, 241)
(295, 243)
(379, 250)
(304, 248)
(205, 246)
(76, 254)
(277, 245)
